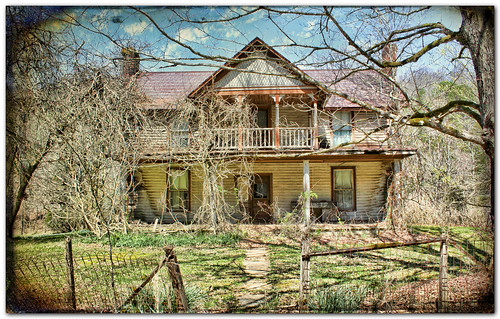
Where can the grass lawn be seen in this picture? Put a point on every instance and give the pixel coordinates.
(213, 271)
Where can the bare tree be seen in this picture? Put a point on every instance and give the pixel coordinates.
(67, 151)
(202, 138)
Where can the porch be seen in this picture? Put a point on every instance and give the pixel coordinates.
(231, 139)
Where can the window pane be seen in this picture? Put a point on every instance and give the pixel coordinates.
(343, 179)
(340, 137)
(260, 190)
(341, 126)
(179, 180)
(344, 199)
(343, 192)
(178, 189)
(178, 199)
(341, 121)
(180, 125)
(174, 199)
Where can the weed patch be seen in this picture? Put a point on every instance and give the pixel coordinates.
(340, 299)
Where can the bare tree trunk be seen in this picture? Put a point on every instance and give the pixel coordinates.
(14, 203)
(477, 33)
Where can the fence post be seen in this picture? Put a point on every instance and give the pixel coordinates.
(306, 242)
(176, 277)
(304, 272)
(442, 304)
(70, 273)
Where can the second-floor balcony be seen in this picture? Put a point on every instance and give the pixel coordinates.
(229, 139)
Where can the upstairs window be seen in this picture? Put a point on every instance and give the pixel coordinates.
(178, 190)
(179, 134)
(341, 127)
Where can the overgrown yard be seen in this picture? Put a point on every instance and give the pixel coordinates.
(388, 280)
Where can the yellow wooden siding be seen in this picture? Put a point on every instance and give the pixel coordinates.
(364, 123)
(286, 187)
(152, 196)
(292, 117)
(287, 184)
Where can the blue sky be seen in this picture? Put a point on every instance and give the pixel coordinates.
(128, 27)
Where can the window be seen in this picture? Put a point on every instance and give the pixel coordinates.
(178, 189)
(344, 188)
(179, 134)
(341, 126)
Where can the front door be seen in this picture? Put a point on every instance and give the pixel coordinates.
(261, 211)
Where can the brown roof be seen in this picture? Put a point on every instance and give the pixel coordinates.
(164, 88)
(366, 86)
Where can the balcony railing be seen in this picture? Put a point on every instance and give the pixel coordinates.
(296, 137)
(231, 139)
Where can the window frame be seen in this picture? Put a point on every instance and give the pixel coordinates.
(180, 208)
(354, 190)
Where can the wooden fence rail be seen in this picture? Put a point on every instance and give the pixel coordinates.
(443, 266)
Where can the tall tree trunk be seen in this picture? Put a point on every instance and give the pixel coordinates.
(477, 33)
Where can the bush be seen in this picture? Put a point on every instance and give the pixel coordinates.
(340, 299)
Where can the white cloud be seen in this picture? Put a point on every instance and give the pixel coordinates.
(253, 18)
(192, 35)
(170, 50)
(135, 28)
(232, 33)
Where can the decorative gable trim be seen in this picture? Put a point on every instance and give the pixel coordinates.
(257, 71)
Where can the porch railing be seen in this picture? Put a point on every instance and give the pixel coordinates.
(296, 137)
(236, 139)
(258, 138)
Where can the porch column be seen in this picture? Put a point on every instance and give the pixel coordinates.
(276, 99)
(315, 123)
(315, 145)
(240, 99)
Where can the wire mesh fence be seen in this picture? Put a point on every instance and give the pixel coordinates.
(101, 283)
(400, 279)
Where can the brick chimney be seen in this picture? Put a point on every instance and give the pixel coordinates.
(389, 54)
(130, 65)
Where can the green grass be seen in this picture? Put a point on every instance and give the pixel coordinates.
(212, 262)
(212, 265)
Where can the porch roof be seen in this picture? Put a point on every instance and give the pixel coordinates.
(335, 155)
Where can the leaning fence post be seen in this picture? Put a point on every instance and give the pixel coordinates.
(70, 273)
(443, 277)
(176, 277)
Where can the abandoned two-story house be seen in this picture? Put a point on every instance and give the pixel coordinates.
(348, 149)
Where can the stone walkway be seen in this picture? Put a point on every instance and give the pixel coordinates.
(255, 290)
